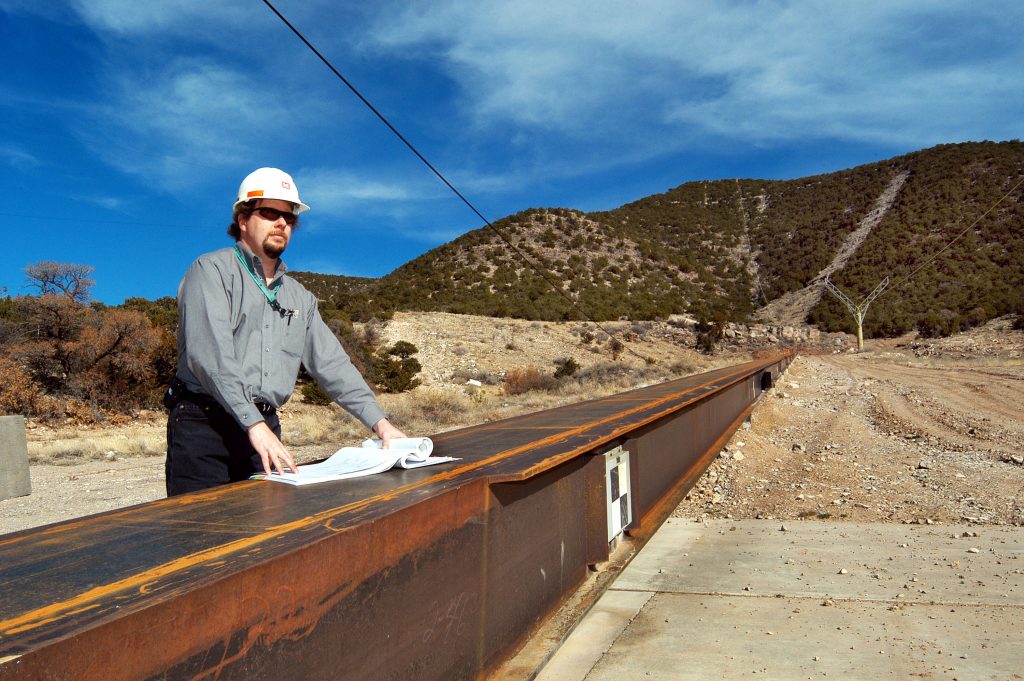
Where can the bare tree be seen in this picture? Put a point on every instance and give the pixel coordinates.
(61, 279)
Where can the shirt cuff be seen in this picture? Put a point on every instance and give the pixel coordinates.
(370, 415)
(246, 414)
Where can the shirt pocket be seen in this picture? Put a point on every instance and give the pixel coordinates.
(294, 338)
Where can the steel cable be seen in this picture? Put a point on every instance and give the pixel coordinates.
(543, 274)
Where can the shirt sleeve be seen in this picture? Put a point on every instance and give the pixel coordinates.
(330, 365)
(209, 351)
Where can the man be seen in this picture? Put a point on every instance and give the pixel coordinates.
(244, 329)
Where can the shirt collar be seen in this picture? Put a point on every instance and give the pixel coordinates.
(256, 265)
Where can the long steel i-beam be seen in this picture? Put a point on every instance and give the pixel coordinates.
(435, 573)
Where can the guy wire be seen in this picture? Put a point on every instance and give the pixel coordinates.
(543, 274)
(954, 239)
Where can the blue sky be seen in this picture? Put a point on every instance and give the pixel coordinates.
(128, 126)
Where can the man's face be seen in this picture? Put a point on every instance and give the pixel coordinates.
(265, 236)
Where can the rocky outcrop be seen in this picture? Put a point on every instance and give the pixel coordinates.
(765, 336)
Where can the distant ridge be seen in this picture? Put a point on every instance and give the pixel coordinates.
(727, 249)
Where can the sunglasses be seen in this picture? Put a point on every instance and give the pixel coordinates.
(274, 214)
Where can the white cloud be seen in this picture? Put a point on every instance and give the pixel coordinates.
(321, 266)
(176, 113)
(653, 73)
(109, 202)
(434, 236)
(364, 202)
(176, 124)
(18, 158)
(130, 17)
(201, 105)
(333, 191)
(569, 88)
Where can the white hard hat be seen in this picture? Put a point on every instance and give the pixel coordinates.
(270, 183)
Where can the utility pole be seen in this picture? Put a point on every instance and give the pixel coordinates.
(858, 311)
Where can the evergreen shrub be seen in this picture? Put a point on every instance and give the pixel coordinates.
(394, 370)
(312, 393)
(566, 367)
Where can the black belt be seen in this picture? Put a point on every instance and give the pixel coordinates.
(177, 392)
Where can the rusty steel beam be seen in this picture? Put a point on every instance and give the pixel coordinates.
(434, 573)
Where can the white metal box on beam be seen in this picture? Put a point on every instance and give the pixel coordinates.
(620, 511)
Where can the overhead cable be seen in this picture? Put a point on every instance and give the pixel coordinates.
(556, 286)
(957, 237)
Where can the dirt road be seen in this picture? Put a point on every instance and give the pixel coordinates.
(881, 436)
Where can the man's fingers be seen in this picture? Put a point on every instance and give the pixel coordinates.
(281, 460)
(273, 454)
(387, 432)
(285, 463)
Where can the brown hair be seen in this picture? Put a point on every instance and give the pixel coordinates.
(246, 208)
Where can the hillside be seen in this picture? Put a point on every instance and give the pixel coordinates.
(721, 250)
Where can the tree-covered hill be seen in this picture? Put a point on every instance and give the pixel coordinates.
(721, 249)
(955, 281)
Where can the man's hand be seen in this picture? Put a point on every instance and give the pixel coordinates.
(272, 452)
(387, 432)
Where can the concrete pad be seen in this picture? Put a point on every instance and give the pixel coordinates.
(744, 599)
(594, 635)
(727, 637)
(881, 561)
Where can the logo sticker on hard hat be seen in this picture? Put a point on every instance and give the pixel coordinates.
(286, 185)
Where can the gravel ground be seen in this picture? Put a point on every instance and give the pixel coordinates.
(880, 436)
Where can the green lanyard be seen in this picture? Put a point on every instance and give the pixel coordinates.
(271, 294)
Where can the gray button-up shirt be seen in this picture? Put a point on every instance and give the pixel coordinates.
(234, 346)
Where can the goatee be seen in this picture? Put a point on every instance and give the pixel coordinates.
(274, 249)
